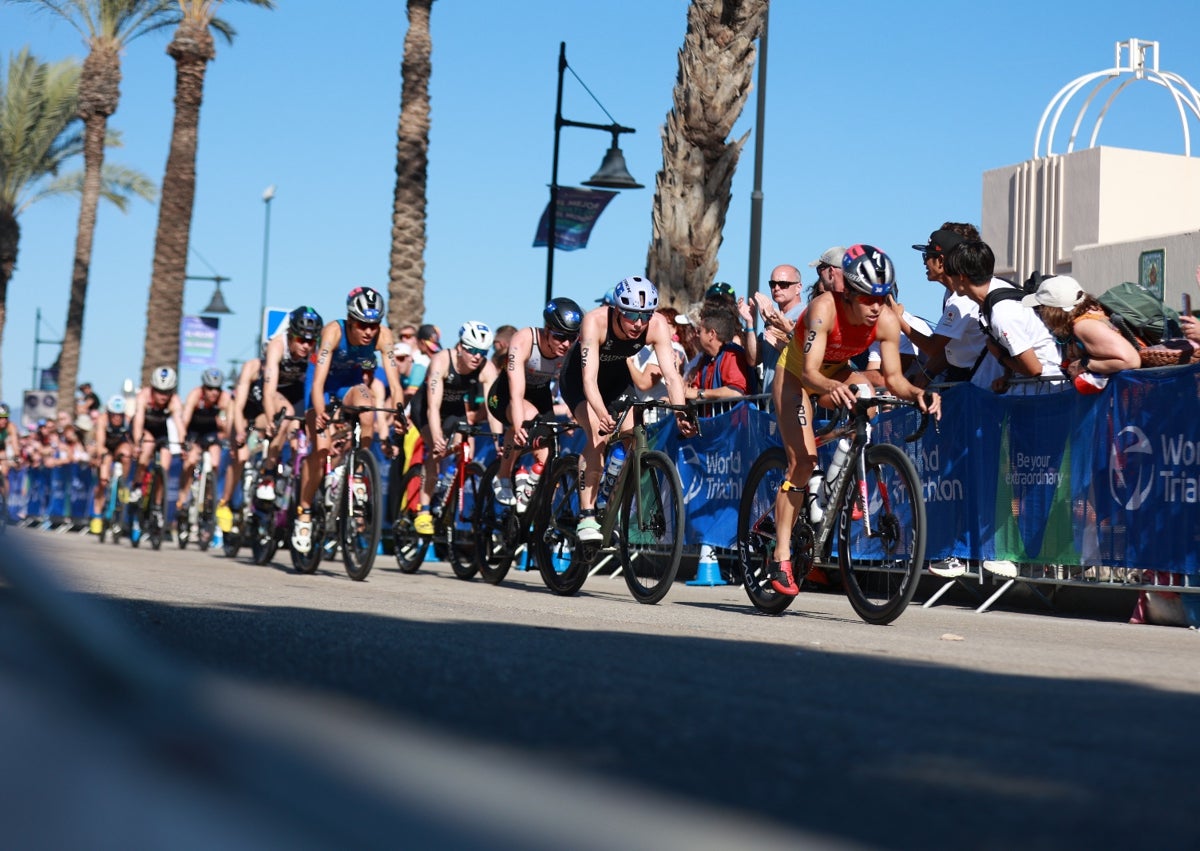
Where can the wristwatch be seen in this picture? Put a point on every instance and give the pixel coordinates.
(700, 393)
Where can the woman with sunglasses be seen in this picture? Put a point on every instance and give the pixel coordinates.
(522, 390)
(835, 327)
(457, 377)
(346, 356)
(596, 374)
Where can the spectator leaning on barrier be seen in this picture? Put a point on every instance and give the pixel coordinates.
(1188, 321)
(909, 356)
(723, 371)
(1093, 348)
(1019, 344)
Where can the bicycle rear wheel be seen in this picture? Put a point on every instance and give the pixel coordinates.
(652, 518)
(461, 524)
(554, 540)
(408, 546)
(494, 522)
(756, 531)
(206, 523)
(359, 525)
(882, 551)
(156, 510)
(309, 562)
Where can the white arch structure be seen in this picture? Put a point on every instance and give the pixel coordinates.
(1185, 96)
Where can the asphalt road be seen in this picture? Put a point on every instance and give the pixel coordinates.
(508, 715)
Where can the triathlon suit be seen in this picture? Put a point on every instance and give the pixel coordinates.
(845, 340)
(116, 434)
(459, 392)
(346, 367)
(612, 378)
(539, 372)
(154, 421)
(290, 383)
(202, 427)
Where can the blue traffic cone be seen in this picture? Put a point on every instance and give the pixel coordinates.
(523, 561)
(708, 570)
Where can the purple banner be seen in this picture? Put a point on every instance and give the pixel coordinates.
(578, 210)
(198, 341)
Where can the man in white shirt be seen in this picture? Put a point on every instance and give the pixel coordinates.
(1019, 345)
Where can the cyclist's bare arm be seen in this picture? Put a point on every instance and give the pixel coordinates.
(331, 335)
(888, 335)
(520, 347)
(435, 379)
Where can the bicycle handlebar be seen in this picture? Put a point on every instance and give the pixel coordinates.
(624, 406)
(863, 405)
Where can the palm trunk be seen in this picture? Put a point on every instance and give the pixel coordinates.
(406, 283)
(10, 238)
(692, 192)
(192, 49)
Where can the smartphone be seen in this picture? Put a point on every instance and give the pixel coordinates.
(1187, 304)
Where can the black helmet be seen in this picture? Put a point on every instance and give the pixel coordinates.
(305, 323)
(563, 315)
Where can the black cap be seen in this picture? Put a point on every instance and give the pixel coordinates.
(940, 242)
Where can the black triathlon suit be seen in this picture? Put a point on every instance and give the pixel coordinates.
(459, 392)
(612, 378)
(115, 435)
(290, 385)
(202, 427)
(539, 372)
(154, 422)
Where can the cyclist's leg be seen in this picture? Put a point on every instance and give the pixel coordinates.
(103, 475)
(190, 459)
(794, 414)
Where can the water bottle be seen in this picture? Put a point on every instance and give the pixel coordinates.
(333, 486)
(840, 454)
(814, 502)
(525, 482)
(615, 460)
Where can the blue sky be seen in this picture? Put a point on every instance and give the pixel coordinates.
(880, 120)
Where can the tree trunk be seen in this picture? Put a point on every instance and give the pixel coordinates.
(692, 192)
(10, 238)
(406, 281)
(99, 92)
(192, 49)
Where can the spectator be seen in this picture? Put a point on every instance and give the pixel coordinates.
(829, 272)
(957, 344)
(779, 313)
(688, 325)
(429, 340)
(1094, 348)
(908, 352)
(723, 370)
(1019, 344)
(89, 398)
(1189, 323)
(724, 294)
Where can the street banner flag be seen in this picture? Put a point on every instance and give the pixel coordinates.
(578, 210)
(198, 341)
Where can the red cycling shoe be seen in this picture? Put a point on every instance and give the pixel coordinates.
(782, 579)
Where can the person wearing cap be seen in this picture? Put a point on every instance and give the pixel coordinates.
(1094, 348)
(829, 272)
(1018, 342)
(429, 340)
(779, 312)
(957, 343)
(834, 328)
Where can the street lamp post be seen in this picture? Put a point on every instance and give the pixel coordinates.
(267, 195)
(612, 173)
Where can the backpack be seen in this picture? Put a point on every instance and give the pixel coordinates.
(992, 299)
(1139, 315)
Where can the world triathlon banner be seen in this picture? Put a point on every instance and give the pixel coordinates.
(1054, 478)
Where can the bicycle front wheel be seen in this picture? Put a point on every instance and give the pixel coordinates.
(493, 555)
(554, 540)
(652, 518)
(310, 561)
(881, 535)
(206, 523)
(156, 513)
(756, 531)
(362, 508)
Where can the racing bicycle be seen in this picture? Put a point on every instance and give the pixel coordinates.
(876, 507)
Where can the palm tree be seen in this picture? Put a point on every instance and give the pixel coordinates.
(38, 135)
(107, 26)
(192, 49)
(406, 279)
(692, 191)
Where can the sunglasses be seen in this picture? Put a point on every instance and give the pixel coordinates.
(471, 350)
(928, 255)
(872, 299)
(782, 284)
(564, 338)
(367, 325)
(636, 315)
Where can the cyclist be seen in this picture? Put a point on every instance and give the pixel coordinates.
(156, 403)
(456, 379)
(835, 327)
(113, 443)
(9, 450)
(522, 391)
(346, 357)
(596, 374)
(206, 413)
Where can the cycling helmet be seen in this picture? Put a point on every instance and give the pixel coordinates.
(365, 305)
(3, 409)
(305, 323)
(211, 378)
(636, 293)
(868, 270)
(563, 315)
(475, 335)
(116, 405)
(164, 379)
